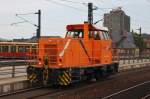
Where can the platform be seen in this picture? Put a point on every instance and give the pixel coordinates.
(9, 85)
(12, 80)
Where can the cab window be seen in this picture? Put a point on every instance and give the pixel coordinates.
(105, 34)
(96, 35)
(101, 35)
(75, 34)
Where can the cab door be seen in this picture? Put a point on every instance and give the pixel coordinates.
(106, 52)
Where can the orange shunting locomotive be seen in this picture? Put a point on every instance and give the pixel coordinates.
(85, 53)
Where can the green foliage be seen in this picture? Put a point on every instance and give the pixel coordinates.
(139, 41)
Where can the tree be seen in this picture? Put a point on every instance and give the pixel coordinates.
(139, 41)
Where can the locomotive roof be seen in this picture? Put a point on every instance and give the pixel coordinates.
(81, 26)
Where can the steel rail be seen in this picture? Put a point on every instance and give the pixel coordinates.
(130, 88)
(146, 96)
(58, 92)
(80, 86)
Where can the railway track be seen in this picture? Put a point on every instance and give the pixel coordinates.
(130, 90)
(48, 90)
(101, 89)
(146, 96)
(51, 92)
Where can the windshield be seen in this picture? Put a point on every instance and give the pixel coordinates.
(97, 35)
(75, 34)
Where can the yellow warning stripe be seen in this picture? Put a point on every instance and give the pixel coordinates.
(31, 80)
(67, 80)
(31, 76)
(67, 76)
(62, 80)
(34, 76)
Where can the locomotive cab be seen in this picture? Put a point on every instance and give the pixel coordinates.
(96, 41)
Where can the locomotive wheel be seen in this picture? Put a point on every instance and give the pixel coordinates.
(98, 75)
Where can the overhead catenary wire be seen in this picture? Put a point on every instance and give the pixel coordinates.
(26, 13)
(69, 6)
(75, 8)
(83, 3)
(74, 2)
(17, 23)
(24, 20)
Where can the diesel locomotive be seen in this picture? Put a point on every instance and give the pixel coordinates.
(85, 53)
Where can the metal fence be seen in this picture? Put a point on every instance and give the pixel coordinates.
(12, 68)
(127, 58)
(12, 71)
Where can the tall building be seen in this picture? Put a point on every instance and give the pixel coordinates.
(118, 24)
(117, 21)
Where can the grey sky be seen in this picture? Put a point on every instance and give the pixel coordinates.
(55, 17)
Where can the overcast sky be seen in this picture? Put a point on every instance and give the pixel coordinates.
(56, 16)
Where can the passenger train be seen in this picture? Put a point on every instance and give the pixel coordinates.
(16, 50)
